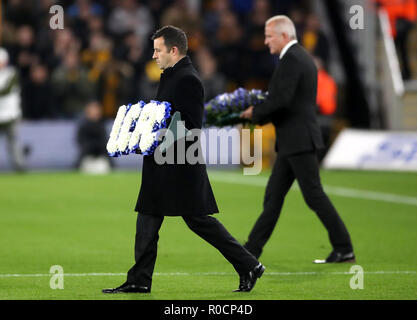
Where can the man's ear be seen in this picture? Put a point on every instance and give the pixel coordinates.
(174, 50)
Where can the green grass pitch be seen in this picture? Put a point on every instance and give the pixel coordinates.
(86, 224)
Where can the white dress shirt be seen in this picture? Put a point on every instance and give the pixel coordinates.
(287, 46)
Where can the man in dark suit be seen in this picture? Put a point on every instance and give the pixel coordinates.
(291, 107)
(180, 189)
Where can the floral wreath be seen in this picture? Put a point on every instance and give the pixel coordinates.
(136, 128)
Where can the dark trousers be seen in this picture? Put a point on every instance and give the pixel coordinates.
(207, 227)
(305, 168)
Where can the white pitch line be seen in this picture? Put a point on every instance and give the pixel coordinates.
(95, 274)
(258, 181)
(371, 195)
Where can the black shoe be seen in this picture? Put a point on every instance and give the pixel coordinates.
(128, 288)
(338, 257)
(247, 281)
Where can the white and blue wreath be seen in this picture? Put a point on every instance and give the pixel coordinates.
(136, 128)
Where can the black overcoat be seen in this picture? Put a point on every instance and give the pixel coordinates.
(178, 189)
(291, 104)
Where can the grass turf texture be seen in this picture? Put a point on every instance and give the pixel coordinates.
(86, 224)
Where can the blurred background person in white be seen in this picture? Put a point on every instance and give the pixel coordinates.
(10, 110)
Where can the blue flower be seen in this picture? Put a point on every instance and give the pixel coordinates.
(225, 108)
(133, 136)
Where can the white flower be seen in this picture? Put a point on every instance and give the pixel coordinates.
(147, 141)
(147, 118)
(112, 143)
(153, 114)
(125, 134)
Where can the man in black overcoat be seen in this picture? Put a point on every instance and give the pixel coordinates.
(291, 107)
(180, 189)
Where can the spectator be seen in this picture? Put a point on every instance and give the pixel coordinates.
(115, 87)
(20, 12)
(64, 41)
(37, 97)
(314, 40)
(212, 16)
(97, 55)
(130, 61)
(260, 12)
(81, 13)
(95, 25)
(92, 139)
(71, 86)
(214, 82)
(157, 7)
(131, 51)
(44, 34)
(184, 16)
(84, 9)
(228, 46)
(298, 17)
(10, 112)
(258, 63)
(23, 53)
(242, 7)
(131, 15)
(110, 40)
(229, 31)
(113, 79)
(181, 15)
(149, 81)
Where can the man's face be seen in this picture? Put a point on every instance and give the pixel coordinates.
(274, 39)
(162, 56)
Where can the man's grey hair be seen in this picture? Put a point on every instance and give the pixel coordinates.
(283, 24)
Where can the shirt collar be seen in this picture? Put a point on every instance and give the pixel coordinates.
(285, 49)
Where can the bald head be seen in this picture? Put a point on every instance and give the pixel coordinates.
(279, 30)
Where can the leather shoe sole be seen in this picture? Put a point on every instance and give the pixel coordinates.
(336, 257)
(130, 288)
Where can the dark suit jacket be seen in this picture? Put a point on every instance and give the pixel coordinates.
(178, 189)
(291, 104)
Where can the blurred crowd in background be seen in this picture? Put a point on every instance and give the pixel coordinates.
(102, 58)
(104, 52)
